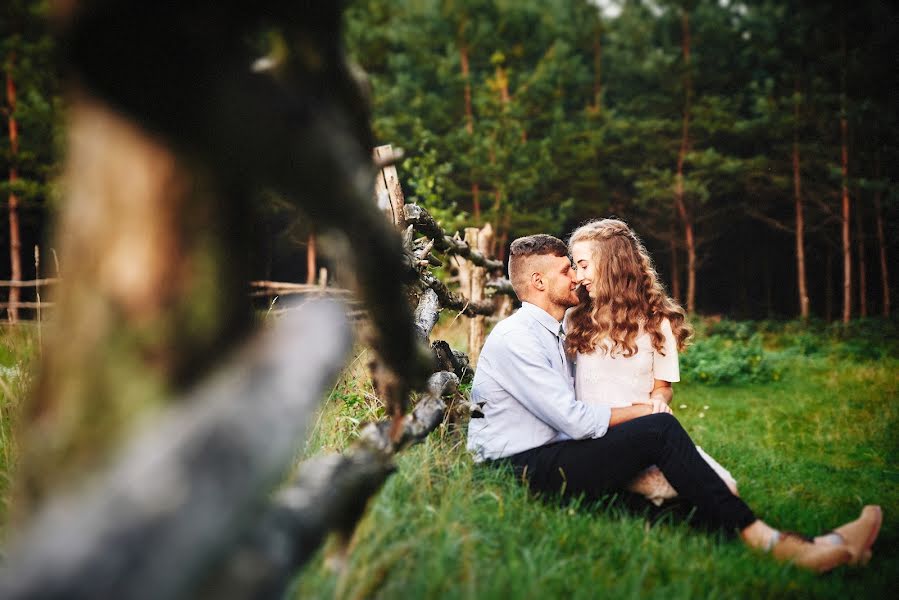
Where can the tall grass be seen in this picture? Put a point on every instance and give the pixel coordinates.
(18, 349)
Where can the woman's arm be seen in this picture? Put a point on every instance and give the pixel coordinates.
(661, 390)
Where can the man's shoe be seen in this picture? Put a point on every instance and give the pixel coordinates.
(820, 558)
(859, 535)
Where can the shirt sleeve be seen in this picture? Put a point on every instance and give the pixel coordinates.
(666, 367)
(530, 378)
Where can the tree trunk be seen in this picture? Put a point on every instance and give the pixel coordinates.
(846, 205)
(675, 264)
(597, 66)
(828, 286)
(502, 222)
(311, 259)
(881, 244)
(801, 281)
(503, 236)
(686, 218)
(862, 267)
(469, 125)
(15, 243)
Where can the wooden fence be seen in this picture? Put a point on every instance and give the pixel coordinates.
(186, 508)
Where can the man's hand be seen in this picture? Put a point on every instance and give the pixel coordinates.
(656, 405)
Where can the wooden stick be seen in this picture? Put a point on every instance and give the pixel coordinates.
(30, 283)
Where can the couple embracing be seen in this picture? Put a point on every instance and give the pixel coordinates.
(575, 392)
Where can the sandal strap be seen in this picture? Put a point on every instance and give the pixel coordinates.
(777, 536)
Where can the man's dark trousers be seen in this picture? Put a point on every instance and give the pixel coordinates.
(606, 465)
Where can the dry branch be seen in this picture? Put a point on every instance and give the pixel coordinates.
(454, 301)
(501, 285)
(425, 417)
(451, 360)
(426, 314)
(425, 224)
(179, 492)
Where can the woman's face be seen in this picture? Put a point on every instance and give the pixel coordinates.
(582, 256)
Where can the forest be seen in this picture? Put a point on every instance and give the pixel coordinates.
(167, 432)
(752, 145)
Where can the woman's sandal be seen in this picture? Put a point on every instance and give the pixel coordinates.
(859, 535)
(801, 551)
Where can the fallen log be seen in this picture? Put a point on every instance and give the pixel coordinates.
(150, 524)
(329, 493)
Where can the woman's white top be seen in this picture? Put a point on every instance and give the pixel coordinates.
(616, 380)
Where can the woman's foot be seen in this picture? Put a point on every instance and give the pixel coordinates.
(804, 553)
(858, 535)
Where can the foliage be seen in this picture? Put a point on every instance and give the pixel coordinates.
(728, 351)
(27, 62)
(575, 115)
(718, 360)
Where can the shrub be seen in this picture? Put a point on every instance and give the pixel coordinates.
(718, 360)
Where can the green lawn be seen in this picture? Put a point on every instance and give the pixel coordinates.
(808, 449)
(810, 442)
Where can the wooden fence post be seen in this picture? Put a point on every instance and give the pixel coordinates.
(480, 240)
(388, 192)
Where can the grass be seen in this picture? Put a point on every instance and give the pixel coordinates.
(18, 349)
(808, 449)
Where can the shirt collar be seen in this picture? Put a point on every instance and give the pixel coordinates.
(542, 317)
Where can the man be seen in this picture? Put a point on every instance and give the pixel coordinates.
(531, 419)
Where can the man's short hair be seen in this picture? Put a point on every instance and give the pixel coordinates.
(525, 248)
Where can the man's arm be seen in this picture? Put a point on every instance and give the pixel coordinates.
(527, 375)
(628, 413)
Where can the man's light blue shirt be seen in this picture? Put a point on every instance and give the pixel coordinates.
(526, 390)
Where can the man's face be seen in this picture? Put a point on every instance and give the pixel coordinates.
(560, 282)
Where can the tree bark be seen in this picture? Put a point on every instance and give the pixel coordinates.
(311, 259)
(15, 243)
(469, 125)
(502, 81)
(597, 66)
(802, 283)
(828, 286)
(862, 267)
(846, 203)
(675, 264)
(686, 218)
(881, 243)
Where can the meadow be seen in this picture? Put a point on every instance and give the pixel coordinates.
(803, 415)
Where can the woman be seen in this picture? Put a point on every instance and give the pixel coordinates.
(626, 333)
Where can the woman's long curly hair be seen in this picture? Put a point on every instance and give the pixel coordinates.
(627, 295)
